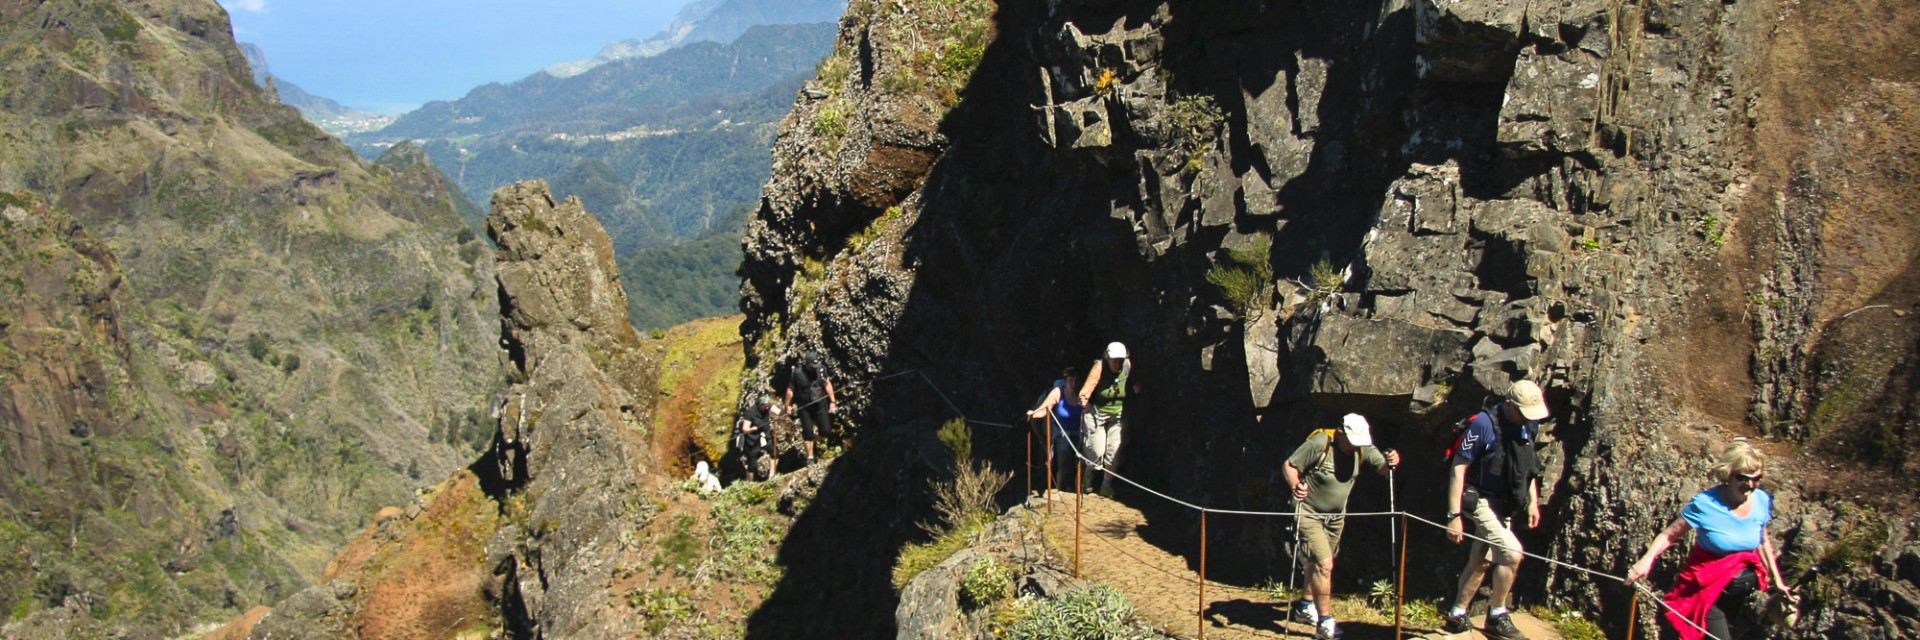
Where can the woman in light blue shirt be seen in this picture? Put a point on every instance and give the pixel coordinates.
(1731, 556)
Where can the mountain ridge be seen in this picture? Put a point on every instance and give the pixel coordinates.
(707, 20)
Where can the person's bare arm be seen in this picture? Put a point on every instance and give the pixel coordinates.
(1456, 487)
(1672, 534)
(1093, 379)
(1297, 487)
(1053, 398)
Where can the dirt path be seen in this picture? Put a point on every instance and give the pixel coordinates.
(1166, 587)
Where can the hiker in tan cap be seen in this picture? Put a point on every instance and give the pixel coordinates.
(1495, 478)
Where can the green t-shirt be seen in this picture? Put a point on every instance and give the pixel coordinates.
(1110, 395)
(1330, 478)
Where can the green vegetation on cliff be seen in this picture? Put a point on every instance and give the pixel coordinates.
(228, 340)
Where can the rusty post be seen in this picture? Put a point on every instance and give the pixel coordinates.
(1202, 623)
(1050, 427)
(1633, 611)
(1400, 590)
(1077, 482)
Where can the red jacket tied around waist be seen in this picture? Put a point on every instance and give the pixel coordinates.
(1702, 578)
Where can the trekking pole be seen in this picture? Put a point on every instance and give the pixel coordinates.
(1029, 469)
(1296, 551)
(1393, 525)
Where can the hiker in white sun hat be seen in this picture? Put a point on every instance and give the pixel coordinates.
(1321, 473)
(1104, 396)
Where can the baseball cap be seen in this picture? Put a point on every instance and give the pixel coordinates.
(1116, 350)
(1526, 396)
(1357, 430)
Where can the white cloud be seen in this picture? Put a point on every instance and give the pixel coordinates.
(251, 6)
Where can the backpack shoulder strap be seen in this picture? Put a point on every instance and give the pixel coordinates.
(1325, 452)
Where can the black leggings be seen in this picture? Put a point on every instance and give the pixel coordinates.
(1734, 599)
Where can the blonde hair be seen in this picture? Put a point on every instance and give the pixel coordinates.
(1739, 457)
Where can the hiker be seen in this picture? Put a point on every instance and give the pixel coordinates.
(1103, 396)
(1322, 472)
(750, 436)
(807, 381)
(703, 480)
(1062, 410)
(1495, 477)
(1732, 556)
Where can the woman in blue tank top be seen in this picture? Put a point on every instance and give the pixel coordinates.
(1062, 406)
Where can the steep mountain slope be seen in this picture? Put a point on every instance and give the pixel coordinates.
(709, 21)
(228, 340)
(1294, 210)
(679, 88)
(659, 148)
(546, 520)
(330, 116)
(693, 279)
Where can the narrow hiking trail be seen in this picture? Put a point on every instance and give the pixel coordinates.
(1166, 588)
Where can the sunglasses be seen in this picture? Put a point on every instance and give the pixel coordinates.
(1751, 479)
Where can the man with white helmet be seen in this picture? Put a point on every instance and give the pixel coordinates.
(1104, 396)
(1321, 473)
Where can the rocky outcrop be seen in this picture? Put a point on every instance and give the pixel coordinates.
(572, 450)
(935, 604)
(1448, 197)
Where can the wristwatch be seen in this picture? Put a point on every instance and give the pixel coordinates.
(1453, 515)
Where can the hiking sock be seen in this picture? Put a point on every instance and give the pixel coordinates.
(1457, 612)
(1496, 611)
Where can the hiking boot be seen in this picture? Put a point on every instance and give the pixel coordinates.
(1304, 612)
(1501, 626)
(1456, 624)
(1327, 630)
(1106, 492)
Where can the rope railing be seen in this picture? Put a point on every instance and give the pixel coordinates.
(1056, 429)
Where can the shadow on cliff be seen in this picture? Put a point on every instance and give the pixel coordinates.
(1027, 258)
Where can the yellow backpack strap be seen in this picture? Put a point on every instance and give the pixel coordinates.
(1327, 452)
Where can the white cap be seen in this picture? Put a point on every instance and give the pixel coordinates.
(1116, 350)
(1358, 433)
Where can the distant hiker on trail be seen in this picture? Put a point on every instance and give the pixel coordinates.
(807, 382)
(1062, 403)
(1104, 395)
(750, 436)
(1322, 472)
(704, 480)
(1732, 556)
(1495, 477)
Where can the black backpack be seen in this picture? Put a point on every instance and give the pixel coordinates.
(1513, 456)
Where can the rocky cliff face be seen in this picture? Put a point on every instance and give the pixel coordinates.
(1289, 211)
(531, 538)
(573, 439)
(228, 341)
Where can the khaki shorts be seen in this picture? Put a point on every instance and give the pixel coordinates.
(1491, 526)
(1319, 536)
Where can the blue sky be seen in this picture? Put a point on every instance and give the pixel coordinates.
(390, 56)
